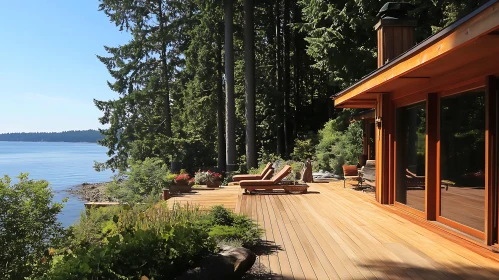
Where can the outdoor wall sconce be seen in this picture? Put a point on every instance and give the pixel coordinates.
(377, 120)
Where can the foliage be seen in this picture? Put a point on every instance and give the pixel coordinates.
(156, 241)
(28, 227)
(207, 177)
(191, 182)
(227, 227)
(173, 66)
(339, 143)
(182, 179)
(304, 150)
(144, 181)
(93, 226)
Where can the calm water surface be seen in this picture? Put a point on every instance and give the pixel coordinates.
(63, 165)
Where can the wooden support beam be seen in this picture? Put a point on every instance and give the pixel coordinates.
(384, 149)
(431, 182)
(491, 105)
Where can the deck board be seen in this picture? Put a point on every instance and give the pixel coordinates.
(339, 233)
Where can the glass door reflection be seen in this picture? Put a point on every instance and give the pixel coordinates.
(411, 150)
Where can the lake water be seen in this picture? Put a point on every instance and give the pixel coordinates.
(63, 165)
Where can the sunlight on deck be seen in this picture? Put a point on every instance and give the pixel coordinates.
(339, 233)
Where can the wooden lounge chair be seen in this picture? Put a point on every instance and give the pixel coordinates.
(414, 181)
(369, 174)
(261, 176)
(351, 172)
(273, 183)
(267, 176)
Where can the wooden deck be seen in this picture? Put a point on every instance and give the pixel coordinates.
(226, 196)
(339, 233)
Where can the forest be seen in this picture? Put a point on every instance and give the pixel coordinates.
(170, 79)
(90, 136)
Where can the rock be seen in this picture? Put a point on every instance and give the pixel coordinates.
(241, 258)
(230, 263)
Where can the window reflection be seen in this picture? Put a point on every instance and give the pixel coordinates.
(411, 149)
(462, 157)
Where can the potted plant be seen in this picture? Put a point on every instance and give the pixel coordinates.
(209, 178)
(181, 184)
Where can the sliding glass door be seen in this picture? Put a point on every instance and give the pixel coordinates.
(410, 161)
(462, 159)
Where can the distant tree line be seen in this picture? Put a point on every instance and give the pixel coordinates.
(91, 136)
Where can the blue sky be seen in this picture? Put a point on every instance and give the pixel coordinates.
(49, 73)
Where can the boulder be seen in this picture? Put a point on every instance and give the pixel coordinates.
(241, 258)
(230, 263)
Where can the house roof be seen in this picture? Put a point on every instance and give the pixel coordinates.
(472, 39)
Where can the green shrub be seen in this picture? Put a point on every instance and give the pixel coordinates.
(157, 241)
(28, 227)
(340, 142)
(303, 150)
(221, 216)
(229, 227)
(154, 241)
(143, 182)
(94, 225)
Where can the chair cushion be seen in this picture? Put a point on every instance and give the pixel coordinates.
(255, 183)
(350, 170)
(246, 177)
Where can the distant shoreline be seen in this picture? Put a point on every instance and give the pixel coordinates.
(73, 136)
(48, 141)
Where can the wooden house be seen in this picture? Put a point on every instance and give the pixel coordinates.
(435, 121)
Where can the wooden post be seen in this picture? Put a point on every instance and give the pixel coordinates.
(249, 65)
(230, 107)
(491, 195)
(384, 149)
(431, 180)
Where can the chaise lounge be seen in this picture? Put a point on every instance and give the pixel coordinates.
(265, 174)
(273, 184)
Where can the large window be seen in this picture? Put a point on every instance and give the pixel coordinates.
(462, 158)
(411, 149)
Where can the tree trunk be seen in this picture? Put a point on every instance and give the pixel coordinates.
(297, 62)
(165, 80)
(287, 81)
(230, 108)
(278, 61)
(220, 107)
(249, 67)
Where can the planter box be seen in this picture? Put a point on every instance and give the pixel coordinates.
(180, 188)
(215, 185)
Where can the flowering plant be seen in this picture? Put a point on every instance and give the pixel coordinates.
(182, 179)
(192, 182)
(207, 177)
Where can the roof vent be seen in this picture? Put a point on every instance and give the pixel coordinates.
(396, 10)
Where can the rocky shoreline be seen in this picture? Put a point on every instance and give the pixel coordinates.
(90, 192)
